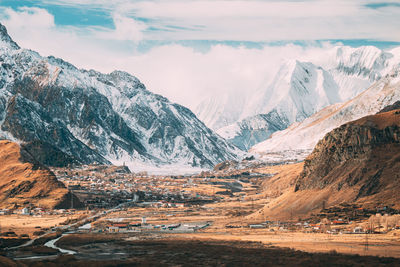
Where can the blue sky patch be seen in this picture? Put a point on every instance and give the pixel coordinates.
(381, 5)
(84, 15)
(68, 15)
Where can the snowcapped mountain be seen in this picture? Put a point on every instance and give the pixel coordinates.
(252, 130)
(298, 90)
(355, 69)
(97, 117)
(305, 135)
(221, 109)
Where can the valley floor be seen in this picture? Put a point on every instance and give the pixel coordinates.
(221, 233)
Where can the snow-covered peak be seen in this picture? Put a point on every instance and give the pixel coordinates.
(125, 82)
(297, 90)
(98, 117)
(304, 136)
(366, 61)
(61, 63)
(6, 39)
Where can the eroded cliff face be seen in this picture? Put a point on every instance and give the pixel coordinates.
(357, 163)
(361, 157)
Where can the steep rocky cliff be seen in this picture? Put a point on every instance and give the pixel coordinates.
(357, 154)
(358, 162)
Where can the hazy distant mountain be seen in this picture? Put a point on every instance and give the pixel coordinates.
(298, 90)
(305, 135)
(95, 117)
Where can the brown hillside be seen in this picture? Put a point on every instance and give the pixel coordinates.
(283, 181)
(359, 162)
(24, 181)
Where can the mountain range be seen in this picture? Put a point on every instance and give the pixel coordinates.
(305, 135)
(298, 90)
(98, 118)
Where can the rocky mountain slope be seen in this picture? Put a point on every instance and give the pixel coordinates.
(95, 117)
(252, 130)
(24, 181)
(305, 135)
(358, 162)
(298, 90)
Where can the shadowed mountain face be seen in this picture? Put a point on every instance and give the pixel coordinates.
(24, 181)
(362, 154)
(49, 155)
(95, 117)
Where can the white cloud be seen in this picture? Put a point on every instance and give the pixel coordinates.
(34, 28)
(32, 17)
(180, 73)
(244, 9)
(128, 29)
(125, 29)
(177, 72)
(254, 20)
(187, 76)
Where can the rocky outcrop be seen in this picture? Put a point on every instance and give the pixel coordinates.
(356, 163)
(359, 155)
(394, 106)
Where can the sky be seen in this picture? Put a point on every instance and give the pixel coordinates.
(189, 49)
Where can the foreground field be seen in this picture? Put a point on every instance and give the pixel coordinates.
(22, 224)
(383, 245)
(223, 237)
(95, 251)
(376, 245)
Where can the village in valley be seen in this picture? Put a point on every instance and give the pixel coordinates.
(114, 203)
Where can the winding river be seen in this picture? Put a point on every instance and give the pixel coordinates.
(51, 244)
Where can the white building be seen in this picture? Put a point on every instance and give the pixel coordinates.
(25, 211)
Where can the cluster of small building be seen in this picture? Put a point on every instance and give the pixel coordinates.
(99, 187)
(338, 226)
(36, 211)
(129, 227)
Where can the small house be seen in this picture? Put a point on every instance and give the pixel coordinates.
(25, 211)
(358, 230)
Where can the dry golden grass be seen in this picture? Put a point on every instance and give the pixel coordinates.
(378, 245)
(24, 183)
(21, 224)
